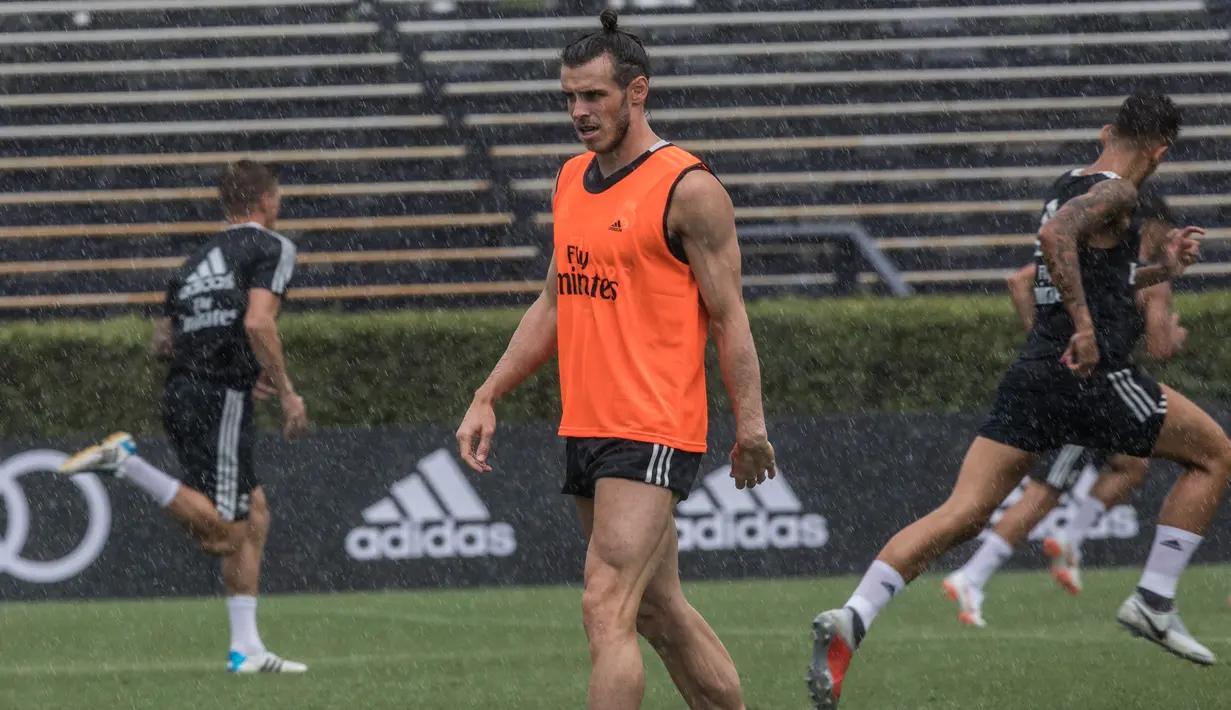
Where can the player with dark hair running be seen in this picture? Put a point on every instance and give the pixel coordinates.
(220, 334)
(1118, 474)
(646, 265)
(1073, 383)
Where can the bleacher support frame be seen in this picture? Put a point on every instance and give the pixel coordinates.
(854, 242)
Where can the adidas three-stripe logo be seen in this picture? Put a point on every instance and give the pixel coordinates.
(659, 470)
(1119, 523)
(434, 512)
(719, 516)
(1134, 395)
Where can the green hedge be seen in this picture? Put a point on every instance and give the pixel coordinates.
(858, 355)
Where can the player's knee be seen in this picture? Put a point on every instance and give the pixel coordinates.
(223, 540)
(219, 545)
(964, 519)
(1219, 463)
(598, 606)
(604, 606)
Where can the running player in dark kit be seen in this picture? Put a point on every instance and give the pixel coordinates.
(1073, 383)
(220, 334)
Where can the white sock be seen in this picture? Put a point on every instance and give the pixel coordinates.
(1088, 512)
(161, 487)
(879, 585)
(1167, 560)
(244, 637)
(986, 560)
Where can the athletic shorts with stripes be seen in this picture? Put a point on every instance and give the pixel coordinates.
(1041, 405)
(1067, 465)
(588, 460)
(211, 428)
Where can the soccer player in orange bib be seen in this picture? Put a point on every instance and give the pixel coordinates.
(646, 265)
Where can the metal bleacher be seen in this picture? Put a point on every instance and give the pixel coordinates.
(417, 142)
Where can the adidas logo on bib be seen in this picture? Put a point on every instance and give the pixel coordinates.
(719, 516)
(434, 513)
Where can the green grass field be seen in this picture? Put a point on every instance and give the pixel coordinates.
(523, 649)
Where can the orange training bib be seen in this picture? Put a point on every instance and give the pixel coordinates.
(631, 325)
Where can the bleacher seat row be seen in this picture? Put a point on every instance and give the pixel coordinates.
(417, 141)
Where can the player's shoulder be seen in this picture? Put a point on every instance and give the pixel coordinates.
(696, 198)
(698, 184)
(671, 155)
(254, 242)
(1104, 187)
(1114, 190)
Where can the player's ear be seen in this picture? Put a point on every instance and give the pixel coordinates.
(1107, 134)
(638, 90)
(1159, 152)
(269, 202)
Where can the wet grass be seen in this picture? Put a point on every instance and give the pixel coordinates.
(523, 649)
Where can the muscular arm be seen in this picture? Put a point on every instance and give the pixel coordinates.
(260, 322)
(702, 216)
(1153, 242)
(1021, 291)
(532, 345)
(1161, 340)
(1078, 220)
(1155, 300)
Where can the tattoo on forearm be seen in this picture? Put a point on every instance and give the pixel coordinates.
(1065, 271)
(1077, 220)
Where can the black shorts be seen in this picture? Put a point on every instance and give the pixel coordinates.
(211, 429)
(1067, 466)
(587, 460)
(1042, 406)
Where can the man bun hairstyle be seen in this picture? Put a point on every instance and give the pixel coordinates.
(627, 53)
(1147, 117)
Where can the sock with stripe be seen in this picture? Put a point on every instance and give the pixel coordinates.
(878, 586)
(986, 560)
(241, 609)
(159, 485)
(1088, 513)
(1168, 557)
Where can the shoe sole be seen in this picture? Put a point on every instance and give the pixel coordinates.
(75, 463)
(1142, 635)
(820, 682)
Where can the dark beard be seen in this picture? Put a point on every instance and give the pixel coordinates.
(623, 121)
